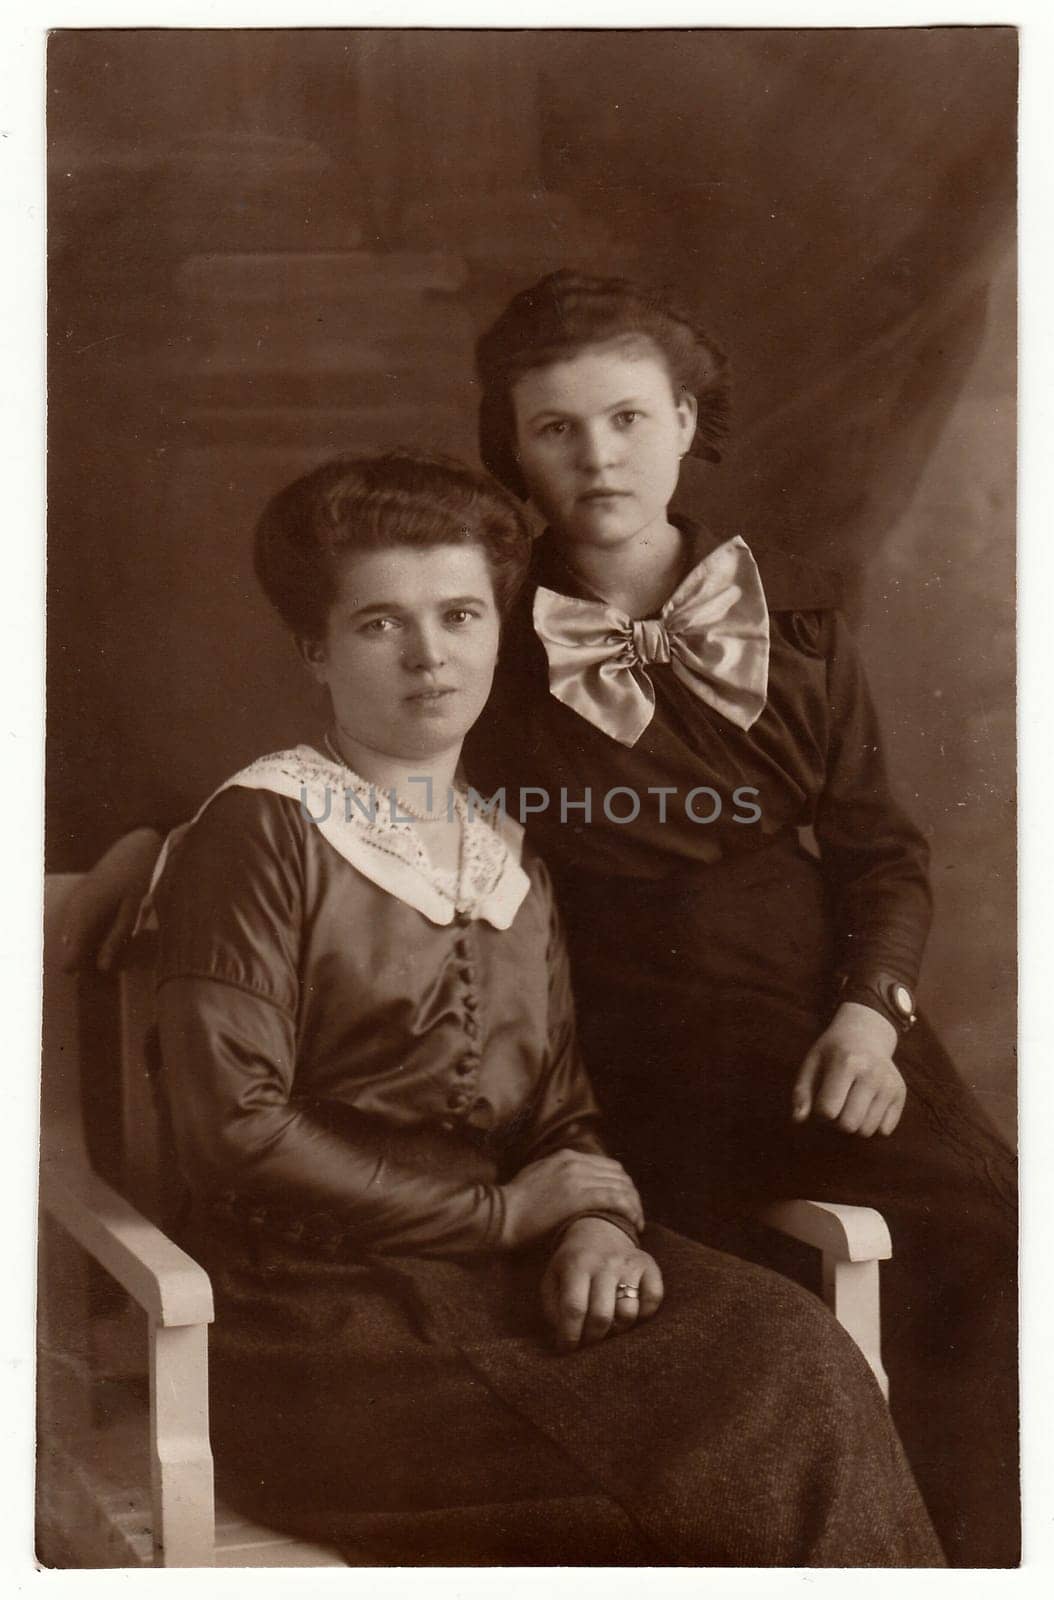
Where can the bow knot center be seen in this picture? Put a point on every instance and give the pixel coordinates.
(651, 641)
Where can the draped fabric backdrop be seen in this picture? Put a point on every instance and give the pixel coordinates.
(268, 246)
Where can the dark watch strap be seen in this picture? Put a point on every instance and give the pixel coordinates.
(885, 994)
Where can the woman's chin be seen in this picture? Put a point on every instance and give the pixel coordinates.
(608, 527)
(429, 736)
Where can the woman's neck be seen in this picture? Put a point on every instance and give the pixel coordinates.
(637, 577)
(421, 786)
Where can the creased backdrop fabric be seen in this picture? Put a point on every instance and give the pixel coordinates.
(270, 245)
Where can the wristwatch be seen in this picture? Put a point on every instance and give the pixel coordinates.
(883, 993)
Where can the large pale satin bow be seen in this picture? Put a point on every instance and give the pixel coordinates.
(713, 632)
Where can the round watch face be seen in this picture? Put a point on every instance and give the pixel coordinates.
(901, 998)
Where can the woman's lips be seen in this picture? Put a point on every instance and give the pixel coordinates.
(429, 697)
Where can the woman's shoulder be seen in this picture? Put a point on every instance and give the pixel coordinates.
(251, 832)
(264, 805)
(803, 597)
(229, 893)
(793, 583)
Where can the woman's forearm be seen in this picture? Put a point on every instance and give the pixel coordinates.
(245, 1142)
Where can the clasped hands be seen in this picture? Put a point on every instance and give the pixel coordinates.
(597, 1281)
(848, 1078)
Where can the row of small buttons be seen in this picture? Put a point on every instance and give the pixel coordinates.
(460, 1097)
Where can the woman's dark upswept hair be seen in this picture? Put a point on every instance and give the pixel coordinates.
(362, 503)
(558, 317)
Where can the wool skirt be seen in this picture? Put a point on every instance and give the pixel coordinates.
(412, 1411)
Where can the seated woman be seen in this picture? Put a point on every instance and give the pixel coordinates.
(420, 1252)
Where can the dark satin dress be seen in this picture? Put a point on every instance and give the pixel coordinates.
(350, 1083)
(707, 957)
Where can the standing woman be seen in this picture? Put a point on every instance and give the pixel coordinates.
(673, 706)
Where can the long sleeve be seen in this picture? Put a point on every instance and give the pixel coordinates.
(874, 857)
(563, 1114)
(231, 912)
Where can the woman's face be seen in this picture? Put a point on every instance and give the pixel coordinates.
(409, 649)
(600, 438)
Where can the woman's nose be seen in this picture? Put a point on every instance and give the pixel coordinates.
(425, 650)
(596, 448)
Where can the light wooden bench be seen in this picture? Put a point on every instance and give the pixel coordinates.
(130, 1482)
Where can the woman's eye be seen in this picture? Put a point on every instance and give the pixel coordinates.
(626, 419)
(380, 625)
(460, 616)
(554, 430)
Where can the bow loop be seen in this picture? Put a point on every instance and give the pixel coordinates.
(713, 634)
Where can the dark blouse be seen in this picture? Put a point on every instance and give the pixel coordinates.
(708, 791)
(338, 1063)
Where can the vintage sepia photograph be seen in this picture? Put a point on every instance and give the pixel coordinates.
(530, 929)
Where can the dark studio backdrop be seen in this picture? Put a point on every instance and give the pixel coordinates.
(269, 246)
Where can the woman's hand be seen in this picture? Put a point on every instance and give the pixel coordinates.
(849, 1078)
(580, 1288)
(548, 1192)
(103, 908)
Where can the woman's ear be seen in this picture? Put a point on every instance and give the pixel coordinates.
(687, 418)
(313, 655)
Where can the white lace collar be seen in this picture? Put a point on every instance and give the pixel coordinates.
(365, 826)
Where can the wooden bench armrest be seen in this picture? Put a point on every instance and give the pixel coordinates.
(845, 1233)
(852, 1240)
(176, 1295)
(169, 1285)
